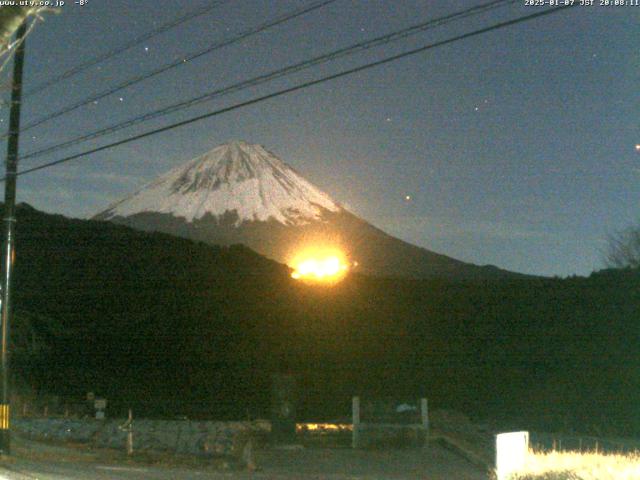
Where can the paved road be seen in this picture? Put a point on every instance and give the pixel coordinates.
(314, 464)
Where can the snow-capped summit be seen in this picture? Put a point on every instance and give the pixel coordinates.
(242, 193)
(235, 177)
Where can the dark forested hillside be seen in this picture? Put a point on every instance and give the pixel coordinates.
(170, 327)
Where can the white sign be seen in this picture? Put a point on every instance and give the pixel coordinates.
(511, 453)
(100, 403)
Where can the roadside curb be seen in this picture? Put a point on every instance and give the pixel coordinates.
(12, 473)
(471, 456)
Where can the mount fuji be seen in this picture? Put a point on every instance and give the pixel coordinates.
(242, 193)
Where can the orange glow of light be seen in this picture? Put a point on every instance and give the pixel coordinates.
(323, 427)
(320, 266)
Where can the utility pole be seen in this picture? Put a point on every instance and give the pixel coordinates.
(8, 252)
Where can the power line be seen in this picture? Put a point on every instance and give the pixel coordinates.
(127, 46)
(10, 49)
(299, 87)
(350, 50)
(192, 56)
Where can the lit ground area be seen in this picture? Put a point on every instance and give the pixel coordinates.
(54, 463)
(580, 465)
(431, 463)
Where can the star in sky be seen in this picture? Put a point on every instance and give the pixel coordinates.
(476, 108)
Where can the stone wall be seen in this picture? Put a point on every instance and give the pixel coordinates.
(179, 436)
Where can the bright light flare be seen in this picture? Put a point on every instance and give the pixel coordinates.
(320, 267)
(323, 427)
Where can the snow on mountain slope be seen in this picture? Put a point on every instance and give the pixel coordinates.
(242, 194)
(236, 176)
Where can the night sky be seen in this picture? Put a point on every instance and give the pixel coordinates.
(516, 148)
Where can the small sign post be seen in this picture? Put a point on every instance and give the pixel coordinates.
(100, 404)
(424, 416)
(355, 433)
(511, 453)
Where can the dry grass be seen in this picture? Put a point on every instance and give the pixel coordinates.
(580, 466)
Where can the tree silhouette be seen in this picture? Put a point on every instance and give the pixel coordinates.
(624, 249)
